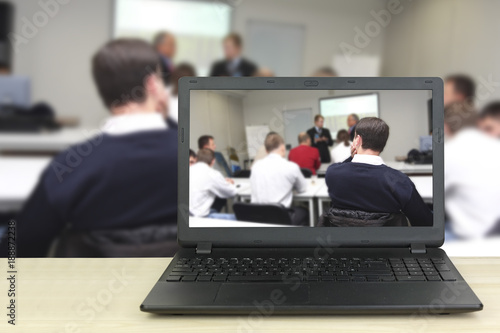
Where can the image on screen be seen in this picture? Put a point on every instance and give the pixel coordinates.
(310, 158)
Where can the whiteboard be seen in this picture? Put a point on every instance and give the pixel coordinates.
(255, 138)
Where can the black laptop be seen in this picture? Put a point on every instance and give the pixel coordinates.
(259, 262)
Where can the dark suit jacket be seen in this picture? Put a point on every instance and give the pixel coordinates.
(166, 73)
(352, 132)
(245, 68)
(324, 152)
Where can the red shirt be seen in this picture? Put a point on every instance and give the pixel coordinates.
(306, 157)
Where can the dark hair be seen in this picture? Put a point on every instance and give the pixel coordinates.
(204, 140)
(192, 153)
(183, 69)
(459, 115)
(491, 110)
(355, 116)
(343, 136)
(463, 84)
(120, 69)
(273, 141)
(206, 155)
(235, 38)
(374, 132)
(316, 117)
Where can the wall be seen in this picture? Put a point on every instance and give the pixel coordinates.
(57, 57)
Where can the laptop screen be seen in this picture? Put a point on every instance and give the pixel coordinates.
(310, 158)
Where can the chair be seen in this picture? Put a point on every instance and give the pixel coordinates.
(262, 213)
(335, 217)
(306, 172)
(242, 174)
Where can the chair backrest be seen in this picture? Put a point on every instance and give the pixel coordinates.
(335, 217)
(242, 174)
(306, 172)
(262, 213)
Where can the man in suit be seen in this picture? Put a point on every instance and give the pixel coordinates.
(321, 138)
(164, 43)
(304, 155)
(352, 120)
(233, 64)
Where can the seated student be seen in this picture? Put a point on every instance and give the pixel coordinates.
(364, 183)
(206, 141)
(489, 120)
(304, 155)
(192, 157)
(205, 184)
(112, 195)
(274, 178)
(471, 181)
(342, 149)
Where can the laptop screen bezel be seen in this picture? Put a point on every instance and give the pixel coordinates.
(307, 236)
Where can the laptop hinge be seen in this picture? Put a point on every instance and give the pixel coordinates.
(204, 248)
(417, 248)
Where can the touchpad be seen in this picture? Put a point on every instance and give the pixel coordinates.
(262, 294)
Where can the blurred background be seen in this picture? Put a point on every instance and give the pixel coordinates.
(47, 46)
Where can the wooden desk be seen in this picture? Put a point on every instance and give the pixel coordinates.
(103, 295)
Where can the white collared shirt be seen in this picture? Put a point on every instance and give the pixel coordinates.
(341, 152)
(273, 179)
(205, 184)
(134, 122)
(368, 159)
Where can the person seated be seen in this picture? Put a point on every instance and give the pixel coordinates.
(192, 157)
(471, 182)
(304, 155)
(205, 184)
(489, 120)
(273, 179)
(342, 149)
(363, 183)
(112, 195)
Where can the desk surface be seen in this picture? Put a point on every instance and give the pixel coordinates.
(45, 141)
(80, 295)
(415, 169)
(313, 186)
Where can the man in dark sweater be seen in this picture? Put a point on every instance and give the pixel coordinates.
(116, 193)
(364, 183)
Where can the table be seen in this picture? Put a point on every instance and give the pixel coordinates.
(203, 222)
(50, 142)
(103, 295)
(244, 192)
(18, 177)
(409, 169)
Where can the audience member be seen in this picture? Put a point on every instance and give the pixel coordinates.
(112, 194)
(273, 179)
(233, 64)
(206, 141)
(352, 120)
(192, 157)
(304, 155)
(489, 120)
(364, 184)
(471, 182)
(165, 44)
(342, 149)
(321, 138)
(458, 88)
(206, 184)
(180, 70)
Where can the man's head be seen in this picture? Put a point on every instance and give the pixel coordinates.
(206, 141)
(207, 156)
(127, 77)
(192, 157)
(164, 43)
(371, 136)
(319, 121)
(489, 119)
(274, 143)
(457, 116)
(352, 120)
(458, 88)
(325, 72)
(232, 46)
(304, 139)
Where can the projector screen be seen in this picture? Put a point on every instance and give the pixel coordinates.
(337, 109)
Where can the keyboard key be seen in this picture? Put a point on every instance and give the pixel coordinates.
(327, 278)
(447, 276)
(188, 278)
(433, 278)
(204, 278)
(175, 278)
(183, 273)
(442, 268)
(258, 278)
(388, 278)
(410, 278)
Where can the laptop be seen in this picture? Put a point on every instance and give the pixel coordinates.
(257, 265)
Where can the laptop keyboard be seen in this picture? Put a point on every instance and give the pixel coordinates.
(206, 269)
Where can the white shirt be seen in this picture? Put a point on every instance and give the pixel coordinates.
(134, 122)
(368, 159)
(273, 179)
(472, 183)
(205, 184)
(173, 105)
(340, 152)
